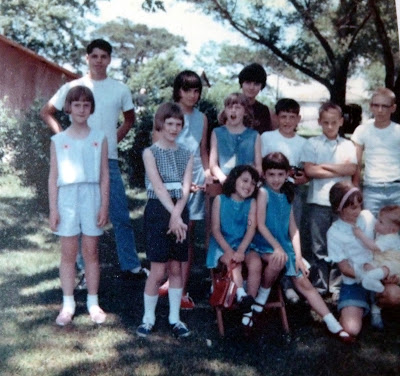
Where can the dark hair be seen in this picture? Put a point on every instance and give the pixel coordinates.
(165, 111)
(278, 161)
(78, 93)
(238, 98)
(229, 185)
(337, 192)
(186, 80)
(326, 106)
(99, 43)
(253, 73)
(287, 105)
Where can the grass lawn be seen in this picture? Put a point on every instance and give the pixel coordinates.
(31, 344)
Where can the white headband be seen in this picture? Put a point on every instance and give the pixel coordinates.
(345, 197)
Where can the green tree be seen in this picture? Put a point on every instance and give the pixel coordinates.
(135, 44)
(52, 28)
(326, 41)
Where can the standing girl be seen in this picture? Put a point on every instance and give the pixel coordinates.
(348, 252)
(186, 93)
(278, 244)
(168, 178)
(78, 199)
(233, 143)
(233, 225)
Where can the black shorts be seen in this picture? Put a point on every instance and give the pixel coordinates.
(161, 247)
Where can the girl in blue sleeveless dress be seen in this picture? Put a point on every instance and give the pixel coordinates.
(234, 143)
(233, 225)
(277, 243)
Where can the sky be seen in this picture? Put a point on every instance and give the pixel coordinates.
(180, 18)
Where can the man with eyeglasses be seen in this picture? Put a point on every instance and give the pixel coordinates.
(379, 142)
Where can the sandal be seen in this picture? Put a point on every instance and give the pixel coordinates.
(97, 315)
(249, 326)
(64, 318)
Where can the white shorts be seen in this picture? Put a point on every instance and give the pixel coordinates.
(78, 207)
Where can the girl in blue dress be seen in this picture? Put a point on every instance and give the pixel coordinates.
(277, 243)
(234, 143)
(233, 225)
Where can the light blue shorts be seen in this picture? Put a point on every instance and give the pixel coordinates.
(78, 207)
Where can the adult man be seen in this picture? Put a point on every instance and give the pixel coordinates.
(111, 97)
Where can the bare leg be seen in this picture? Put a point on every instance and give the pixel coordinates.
(175, 274)
(351, 319)
(254, 267)
(271, 272)
(69, 250)
(186, 266)
(92, 266)
(157, 273)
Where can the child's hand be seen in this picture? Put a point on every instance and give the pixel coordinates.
(238, 257)
(194, 188)
(302, 267)
(178, 228)
(227, 257)
(300, 177)
(54, 220)
(357, 232)
(102, 216)
(278, 258)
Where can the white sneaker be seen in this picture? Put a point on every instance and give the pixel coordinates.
(291, 295)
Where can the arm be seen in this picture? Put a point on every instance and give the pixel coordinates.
(102, 216)
(249, 235)
(47, 114)
(204, 153)
(129, 119)
(54, 217)
(214, 166)
(346, 269)
(357, 175)
(216, 231)
(279, 255)
(326, 170)
(369, 243)
(295, 237)
(257, 155)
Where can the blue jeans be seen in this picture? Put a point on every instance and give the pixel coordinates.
(119, 216)
(379, 195)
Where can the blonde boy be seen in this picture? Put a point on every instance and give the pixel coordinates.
(378, 141)
(327, 159)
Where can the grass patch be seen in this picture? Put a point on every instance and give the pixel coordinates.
(31, 344)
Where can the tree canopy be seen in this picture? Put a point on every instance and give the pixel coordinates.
(326, 41)
(52, 28)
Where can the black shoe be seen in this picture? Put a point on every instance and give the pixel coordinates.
(246, 303)
(127, 275)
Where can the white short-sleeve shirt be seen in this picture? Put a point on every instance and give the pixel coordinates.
(273, 141)
(319, 150)
(111, 98)
(381, 151)
(344, 245)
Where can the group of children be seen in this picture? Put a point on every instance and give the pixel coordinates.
(255, 220)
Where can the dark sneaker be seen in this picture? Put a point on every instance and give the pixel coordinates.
(180, 330)
(246, 303)
(143, 330)
(127, 275)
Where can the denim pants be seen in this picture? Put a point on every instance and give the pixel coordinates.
(119, 216)
(325, 276)
(377, 196)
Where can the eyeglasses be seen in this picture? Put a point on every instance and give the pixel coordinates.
(383, 106)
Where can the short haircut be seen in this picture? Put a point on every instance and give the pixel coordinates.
(79, 93)
(238, 98)
(186, 80)
(165, 111)
(253, 73)
(392, 212)
(385, 92)
(99, 43)
(229, 185)
(326, 106)
(337, 193)
(275, 160)
(287, 105)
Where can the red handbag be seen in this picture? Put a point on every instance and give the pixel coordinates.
(224, 289)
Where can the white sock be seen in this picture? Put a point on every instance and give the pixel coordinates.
(150, 304)
(377, 273)
(375, 309)
(174, 297)
(92, 300)
(136, 270)
(261, 298)
(332, 324)
(69, 303)
(240, 293)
